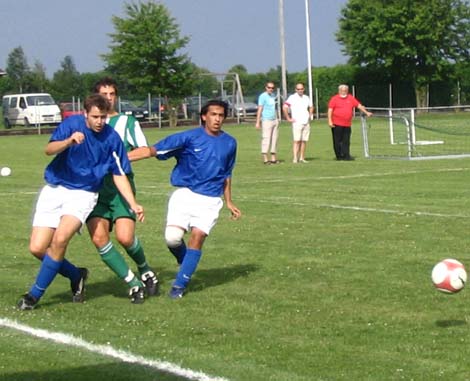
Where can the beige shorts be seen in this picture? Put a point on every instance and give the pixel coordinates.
(187, 209)
(301, 132)
(56, 201)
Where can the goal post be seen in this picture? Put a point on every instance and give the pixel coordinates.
(417, 133)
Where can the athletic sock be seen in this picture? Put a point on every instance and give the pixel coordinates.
(178, 252)
(68, 270)
(47, 272)
(136, 252)
(118, 265)
(188, 267)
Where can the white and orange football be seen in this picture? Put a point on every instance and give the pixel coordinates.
(449, 276)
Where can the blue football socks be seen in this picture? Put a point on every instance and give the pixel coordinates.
(68, 270)
(47, 272)
(188, 267)
(178, 252)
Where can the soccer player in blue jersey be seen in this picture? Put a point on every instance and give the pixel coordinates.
(205, 158)
(112, 209)
(86, 149)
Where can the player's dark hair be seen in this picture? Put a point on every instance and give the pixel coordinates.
(106, 81)
(98, 101)
(214, 102)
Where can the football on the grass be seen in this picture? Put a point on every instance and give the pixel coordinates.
(449, 276)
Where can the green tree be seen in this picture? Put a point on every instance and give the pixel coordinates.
(89, 80)
(416, 40)
(145, 51)
(37, 78)
(17, 69)
(67, 82)
(205, 83)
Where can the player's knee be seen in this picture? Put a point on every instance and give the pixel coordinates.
(125, 241)
(37, 250)
(99, 241)
(173, 236)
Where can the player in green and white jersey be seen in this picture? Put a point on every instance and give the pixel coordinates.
(112, 209)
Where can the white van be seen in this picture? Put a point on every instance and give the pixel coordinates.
(30, 109)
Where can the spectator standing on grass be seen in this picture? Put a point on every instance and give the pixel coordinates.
(112, 208)
(205, 158)
(340, 113)
(266, 120)
(301, 112)
(86, 149)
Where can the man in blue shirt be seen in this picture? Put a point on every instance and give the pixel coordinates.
(266, 120)
(86, 150)
(205, 158)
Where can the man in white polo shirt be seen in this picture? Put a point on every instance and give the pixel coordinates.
(301, 111)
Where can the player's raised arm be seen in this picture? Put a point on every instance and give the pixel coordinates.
(55, 147)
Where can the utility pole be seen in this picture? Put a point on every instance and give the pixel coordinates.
(283, 51)
(309, 54)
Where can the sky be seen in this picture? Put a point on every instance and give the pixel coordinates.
(222, 33)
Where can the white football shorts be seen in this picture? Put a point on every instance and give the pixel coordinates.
(187, 209)
(301, 132)
(55, 201)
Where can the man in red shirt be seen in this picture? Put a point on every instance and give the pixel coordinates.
(340, 113)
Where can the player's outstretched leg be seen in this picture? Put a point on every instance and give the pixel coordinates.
(147, 275)
(114, 260)
(187, 269)
(77, 276)
(47, 272)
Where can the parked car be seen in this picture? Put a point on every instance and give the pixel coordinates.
(129, 108)
(30, 109)
(240, 109)
(69, 108)
(156, 108)
(160, 103)
(193, 105)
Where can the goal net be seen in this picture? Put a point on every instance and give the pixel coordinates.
(417, 133)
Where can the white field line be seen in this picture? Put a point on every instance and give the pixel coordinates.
(106, 350)
(354, 176)
(284, 200)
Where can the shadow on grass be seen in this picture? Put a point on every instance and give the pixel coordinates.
(203, 278)
(450, 323)
(214, 277)
(111, 371)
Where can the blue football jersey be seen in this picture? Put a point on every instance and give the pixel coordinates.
(83, 166)
(203, 161)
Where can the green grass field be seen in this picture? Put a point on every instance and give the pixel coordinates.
(325, 277)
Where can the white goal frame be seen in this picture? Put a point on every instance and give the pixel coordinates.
(405, 118)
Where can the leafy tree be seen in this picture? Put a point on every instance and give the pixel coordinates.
(17, 69)
(416, 40)
(89, 79)
(37, 78)
(145, 51)
(67, 81)
(204, 83)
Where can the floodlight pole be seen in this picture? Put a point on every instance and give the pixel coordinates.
(283, 50)
(309, 54)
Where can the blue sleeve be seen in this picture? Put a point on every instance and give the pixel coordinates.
(171, 146)
(65, 129)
